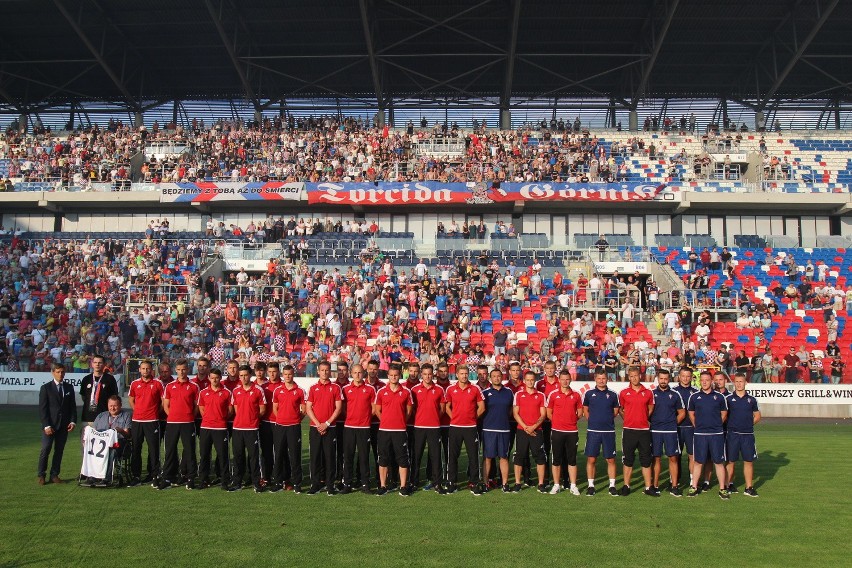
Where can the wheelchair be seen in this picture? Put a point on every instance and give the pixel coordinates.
(118, 468)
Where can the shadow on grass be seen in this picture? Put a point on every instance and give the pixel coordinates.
(767, 466)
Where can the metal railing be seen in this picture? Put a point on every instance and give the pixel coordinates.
(164, 293)
(601, 300)
(252, 293)
(701, 299)
(441, 147)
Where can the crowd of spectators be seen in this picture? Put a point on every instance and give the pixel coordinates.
(64, 301)
(312, 150)
(807, 289)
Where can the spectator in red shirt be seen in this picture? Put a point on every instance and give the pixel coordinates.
(393, 405)
(325, 401)
(637, 404)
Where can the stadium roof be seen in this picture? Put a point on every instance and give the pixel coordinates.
(387, 52)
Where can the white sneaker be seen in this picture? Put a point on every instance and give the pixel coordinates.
(555, 489)
(574, 490)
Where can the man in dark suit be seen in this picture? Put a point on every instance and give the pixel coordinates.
(58, 413)
(96, 388)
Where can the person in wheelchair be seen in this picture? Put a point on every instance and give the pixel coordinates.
(118, 419)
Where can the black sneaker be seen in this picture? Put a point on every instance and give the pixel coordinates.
(190, 485)
(542, 488)
(439, 489)
(382, 491)
(405, 491)
(149, 479)
(274, 487)
(332, 492)
(675, 492)
(732, 488)
(656, 491)
(705, 486)
(365, 489)
(313, 490)
(235, 487)
(651, 492)
(507, 489)
(613, 492)
(724, 495)
(451, 489)
(477, 490)
(517, 488)
(750, 492)
(134, 483)
(692, 492)
(258, 488)
(346, 490)
(529, 482)
(297, 489)
(590, 491)
(625, 491)
(163, 485)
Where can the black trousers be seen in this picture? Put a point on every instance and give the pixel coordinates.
(57, 442)
(374, 445)
(161, 453)
(356, 440)
(208, 440)
(149, 432)
(445, 450)
(185, 433)
(424, 437)
(546, 429)
(267, 457)
(287, 445)
(323, 457)
(340, 451)
(470, 439)
(246, 445)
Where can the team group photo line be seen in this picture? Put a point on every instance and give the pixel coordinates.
(413, 418)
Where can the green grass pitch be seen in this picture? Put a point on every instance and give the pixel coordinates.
(802, 518)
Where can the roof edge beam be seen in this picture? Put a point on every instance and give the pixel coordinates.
(779, 80)
(96, 53)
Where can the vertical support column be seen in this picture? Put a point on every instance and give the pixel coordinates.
(633, 121)
(137, 119)
(505, 118)
(759, 120)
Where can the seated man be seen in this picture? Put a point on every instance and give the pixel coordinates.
(115, 418)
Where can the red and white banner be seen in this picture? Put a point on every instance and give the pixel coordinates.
(433, 193)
